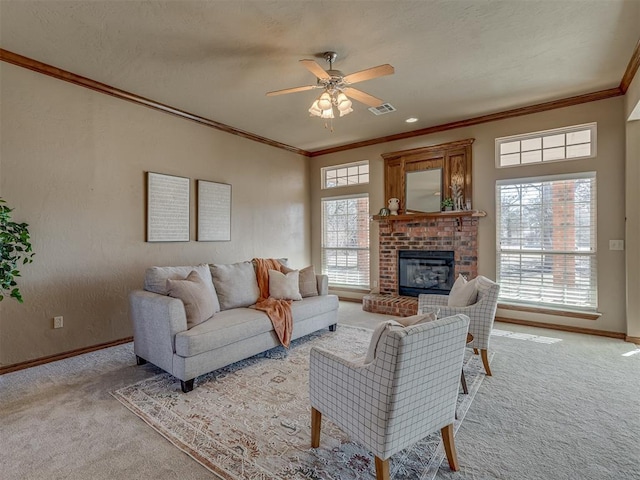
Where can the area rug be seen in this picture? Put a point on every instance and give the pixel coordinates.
(251, 420)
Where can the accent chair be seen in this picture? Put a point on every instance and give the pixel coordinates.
(481, 314)
(405, 393)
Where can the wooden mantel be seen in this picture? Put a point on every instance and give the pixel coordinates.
(417, 216)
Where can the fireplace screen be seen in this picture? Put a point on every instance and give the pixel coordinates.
(425, 271)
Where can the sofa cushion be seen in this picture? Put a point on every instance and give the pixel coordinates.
(239, 324)
(284, 286)
(195, 295)
(236, 284)
(228, 326)
(155, 279)
(377, 338)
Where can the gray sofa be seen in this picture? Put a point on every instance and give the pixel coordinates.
(233, 333)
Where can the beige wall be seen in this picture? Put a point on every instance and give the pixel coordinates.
(72, 164)
(609, 165)
(633, 211)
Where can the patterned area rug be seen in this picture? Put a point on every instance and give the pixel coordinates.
(251, 420)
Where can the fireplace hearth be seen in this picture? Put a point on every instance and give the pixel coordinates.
(425, 271)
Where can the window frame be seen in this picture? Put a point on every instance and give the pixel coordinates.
(325, 170)
(592, 127)
(592, 290)
(324, 248)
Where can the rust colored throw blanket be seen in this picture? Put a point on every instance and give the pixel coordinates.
(279, 311)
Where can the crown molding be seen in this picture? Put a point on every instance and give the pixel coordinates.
(36, 66)
(632, 69)
(516, 112)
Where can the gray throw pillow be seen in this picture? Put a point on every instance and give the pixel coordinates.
(463, 293)
(236, 284)
(155, 279)
(196, 297)
(307, 282)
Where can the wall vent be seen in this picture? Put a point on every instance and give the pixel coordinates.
(382, 109)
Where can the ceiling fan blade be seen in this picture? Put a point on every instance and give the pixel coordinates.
(362, 97)
(370, 73)
(316, 69)
(291, 90)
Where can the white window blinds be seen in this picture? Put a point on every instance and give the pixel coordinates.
(345, 240)
(546, 241)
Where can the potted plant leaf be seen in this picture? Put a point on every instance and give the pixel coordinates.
(447, 204)
(15, 250)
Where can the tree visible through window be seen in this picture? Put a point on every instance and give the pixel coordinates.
(345, 240)
(546, 241)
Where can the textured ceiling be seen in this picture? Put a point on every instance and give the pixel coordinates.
(454, 59)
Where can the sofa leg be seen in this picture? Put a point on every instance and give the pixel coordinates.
(187, 385)
(332, 328)
(140, 360)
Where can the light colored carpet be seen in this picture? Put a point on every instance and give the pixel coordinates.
(563, 410)
(252, 419)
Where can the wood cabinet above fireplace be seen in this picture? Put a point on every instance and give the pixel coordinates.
(452, 160)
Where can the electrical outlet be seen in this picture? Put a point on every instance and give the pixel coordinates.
(58, 322)
(616, 244)
(375, 283)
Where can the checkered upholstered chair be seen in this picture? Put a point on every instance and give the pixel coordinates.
(408, 391)
(481, 314)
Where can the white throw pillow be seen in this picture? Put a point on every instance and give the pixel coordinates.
(377, 338)
(463, 293)
(283, 286)
(416, 319)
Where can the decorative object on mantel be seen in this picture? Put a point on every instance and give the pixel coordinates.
(447, 204)
(394, 206)
(384, 212)
(456, 192)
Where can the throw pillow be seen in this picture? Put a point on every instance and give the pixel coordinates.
(195, 295)
(308, 283)
(463, 293)
(416, 319)
(377, 338)
(284, 286)
(236, 284)
(155, 279)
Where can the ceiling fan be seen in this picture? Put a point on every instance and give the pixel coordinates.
(337, 87)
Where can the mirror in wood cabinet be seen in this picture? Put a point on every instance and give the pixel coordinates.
(423, 190)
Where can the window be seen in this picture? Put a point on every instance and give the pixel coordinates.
(567, 143)
(347, 174)
(345, 240)
(546, 241)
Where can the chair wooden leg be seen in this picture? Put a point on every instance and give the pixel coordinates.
(450, 447)
(316, 424)
(475, 351)
(485, 361)
(382, 469)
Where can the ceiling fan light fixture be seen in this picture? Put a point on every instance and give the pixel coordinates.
(328, 113)
(325, 101)
(346, 111)
(315, 110)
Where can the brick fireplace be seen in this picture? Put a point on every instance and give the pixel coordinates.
(438, 232)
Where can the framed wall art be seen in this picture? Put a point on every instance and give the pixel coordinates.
(214, 211)
(167, 208)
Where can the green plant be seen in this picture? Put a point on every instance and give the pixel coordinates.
(15, 249)
(447, 202)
